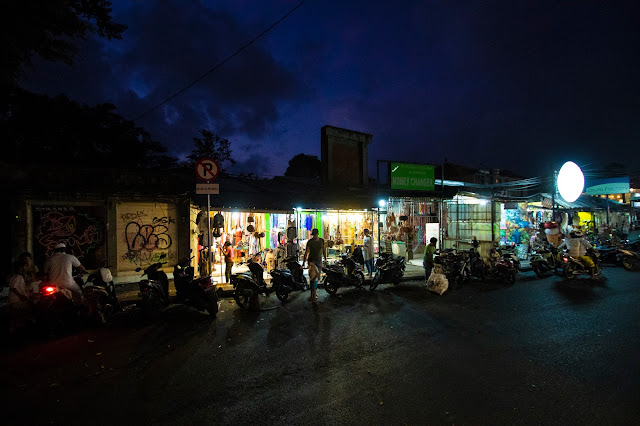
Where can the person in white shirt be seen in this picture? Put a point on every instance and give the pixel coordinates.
(59, 270)
(367, 251)
(578, 246)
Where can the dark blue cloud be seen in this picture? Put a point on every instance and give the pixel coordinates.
(513, 85)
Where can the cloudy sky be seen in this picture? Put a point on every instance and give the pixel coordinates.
(519, 85)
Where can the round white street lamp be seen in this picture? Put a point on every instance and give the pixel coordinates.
(570, 181)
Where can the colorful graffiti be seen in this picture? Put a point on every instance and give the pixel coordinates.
(79, 229)
(146, 238)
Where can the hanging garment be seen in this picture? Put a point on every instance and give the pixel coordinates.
(569, 218)
(308, 223)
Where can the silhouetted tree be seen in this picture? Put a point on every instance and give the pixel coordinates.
(50, 30)
(57, 131)
(208, 144)
(303, 165)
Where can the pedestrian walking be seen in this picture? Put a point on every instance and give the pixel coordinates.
(314, 276)
(314, 253)
(427, 262)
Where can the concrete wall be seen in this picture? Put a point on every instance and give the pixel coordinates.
(144, 231)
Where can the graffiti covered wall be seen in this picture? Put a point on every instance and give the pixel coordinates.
(145, 231)
(81, 228)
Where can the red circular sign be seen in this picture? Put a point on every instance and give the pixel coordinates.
(207, 169)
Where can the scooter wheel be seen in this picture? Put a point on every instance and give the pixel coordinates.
(537, 270)
(242, 296)
(330, 287)
(282, 294)
(374, 282)
(630, 264)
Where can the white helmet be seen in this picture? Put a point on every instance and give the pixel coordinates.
(60, 245)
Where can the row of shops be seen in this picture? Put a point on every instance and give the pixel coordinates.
(132, 234)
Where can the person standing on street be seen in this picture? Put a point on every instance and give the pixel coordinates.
(427, 262)
(367, 251)
(314, 253)
(227, 252)
(59, 270)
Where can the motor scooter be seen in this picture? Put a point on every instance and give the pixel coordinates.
(388, 270)
(511, 252)
(284, 281)
(199, 293)
(54, 308)
(544, 258)
(100, 296)
(630, 259)
(248, 285)
(572, 267)
(471, 265)
(345, 272)
(503, 269)
(154, 290)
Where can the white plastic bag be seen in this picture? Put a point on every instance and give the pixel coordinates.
(437, 283)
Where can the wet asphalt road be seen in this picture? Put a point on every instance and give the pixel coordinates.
(540, 352)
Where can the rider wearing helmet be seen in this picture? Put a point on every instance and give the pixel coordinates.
(59, 270)
(578, 246)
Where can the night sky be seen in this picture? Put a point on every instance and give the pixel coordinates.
(519, 85)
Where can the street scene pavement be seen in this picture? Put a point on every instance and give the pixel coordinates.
(544, 351)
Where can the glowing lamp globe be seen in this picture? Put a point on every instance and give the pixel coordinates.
(570, 181)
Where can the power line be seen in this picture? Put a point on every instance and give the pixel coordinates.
(220, 63)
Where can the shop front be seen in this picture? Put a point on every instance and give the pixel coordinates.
(252, 234)
(469, 216)
(407, 224)
(342, 230)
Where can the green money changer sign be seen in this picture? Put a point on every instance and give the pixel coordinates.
(416, 177)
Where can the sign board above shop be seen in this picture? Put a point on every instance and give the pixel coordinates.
(619, 185)
(415, 177)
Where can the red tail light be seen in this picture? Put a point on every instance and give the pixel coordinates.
(49, 290)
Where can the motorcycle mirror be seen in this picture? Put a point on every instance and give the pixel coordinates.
(163, 255)
(190, 251)
(138, 269)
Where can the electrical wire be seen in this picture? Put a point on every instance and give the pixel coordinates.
(228, 58)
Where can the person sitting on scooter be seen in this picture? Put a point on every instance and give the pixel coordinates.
(59, 270)
(578, 246)
(494, 255)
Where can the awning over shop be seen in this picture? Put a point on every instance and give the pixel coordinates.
(584, 203)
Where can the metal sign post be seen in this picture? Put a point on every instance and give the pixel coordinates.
(207, 169)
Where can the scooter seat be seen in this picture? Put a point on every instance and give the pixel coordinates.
(281, 272)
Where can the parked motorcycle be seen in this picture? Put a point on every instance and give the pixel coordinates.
(451, 263)
(199, 293)
(572, 267)
(100, 296)
(154, 290)
(346, 272)
(511, 252)
(388, 270)
(284, 281)
(630, 259)
(544, 258)
(504, 269)
(249, 284)
(55, 309)
(471, 265)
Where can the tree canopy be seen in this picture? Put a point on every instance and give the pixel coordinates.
(208, 144)
(44, 130)
(303, 165)
(50, 30)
